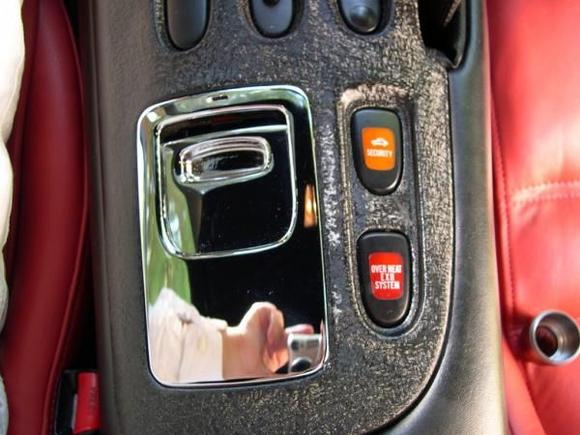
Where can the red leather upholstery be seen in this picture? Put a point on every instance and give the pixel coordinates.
(535, 75)
(46, 254)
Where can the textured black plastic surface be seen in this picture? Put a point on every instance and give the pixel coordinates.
(371, 378)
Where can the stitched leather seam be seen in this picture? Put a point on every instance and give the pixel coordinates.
(544, 198)
(506, 205)
(551, 190)
(548, 185)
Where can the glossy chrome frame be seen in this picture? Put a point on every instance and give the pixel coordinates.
(162, 266)
(223, 146)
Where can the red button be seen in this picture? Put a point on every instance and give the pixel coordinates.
(386, 272)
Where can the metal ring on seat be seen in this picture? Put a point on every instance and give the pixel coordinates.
(554, 338)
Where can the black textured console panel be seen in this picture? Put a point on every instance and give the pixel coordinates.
(373, 376)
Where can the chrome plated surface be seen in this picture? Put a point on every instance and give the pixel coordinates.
(554, 338)
(180, 227)
(171, 257)
(200, 163)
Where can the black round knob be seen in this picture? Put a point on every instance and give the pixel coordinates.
(363, 18)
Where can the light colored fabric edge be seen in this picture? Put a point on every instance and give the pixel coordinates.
(11, 68)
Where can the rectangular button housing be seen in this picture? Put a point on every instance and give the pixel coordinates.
(377, 149)
(385, 277)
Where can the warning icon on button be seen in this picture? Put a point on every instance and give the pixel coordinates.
(379, 148)
(380, 142)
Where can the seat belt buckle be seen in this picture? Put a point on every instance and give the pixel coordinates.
(78, 406)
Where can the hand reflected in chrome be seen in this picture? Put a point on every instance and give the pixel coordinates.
(257, 347)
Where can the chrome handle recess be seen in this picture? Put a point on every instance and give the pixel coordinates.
(224, 161)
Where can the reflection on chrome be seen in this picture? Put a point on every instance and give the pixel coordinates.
(304, 350)
(188, 347)
(206, 163)
(310, 207)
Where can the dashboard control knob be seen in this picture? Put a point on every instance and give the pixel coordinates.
(186, 22)
(272, 18)
(362, 16)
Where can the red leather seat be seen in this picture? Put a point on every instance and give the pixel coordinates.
(46, 253)
(535, 77)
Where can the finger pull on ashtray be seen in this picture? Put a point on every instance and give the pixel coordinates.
(554, 338)
(218, 162)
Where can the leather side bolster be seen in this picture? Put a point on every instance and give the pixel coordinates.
(535, 59)
(48, 247)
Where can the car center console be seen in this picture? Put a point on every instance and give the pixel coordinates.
(311, 155)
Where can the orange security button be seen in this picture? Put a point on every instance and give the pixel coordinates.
(376, 136)
(386, 275)
(379, 147)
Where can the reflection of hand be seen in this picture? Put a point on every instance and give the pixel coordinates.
(257, 346)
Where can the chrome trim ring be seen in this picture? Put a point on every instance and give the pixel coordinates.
(562, 333)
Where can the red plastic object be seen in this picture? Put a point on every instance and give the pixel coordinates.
(88, 415)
